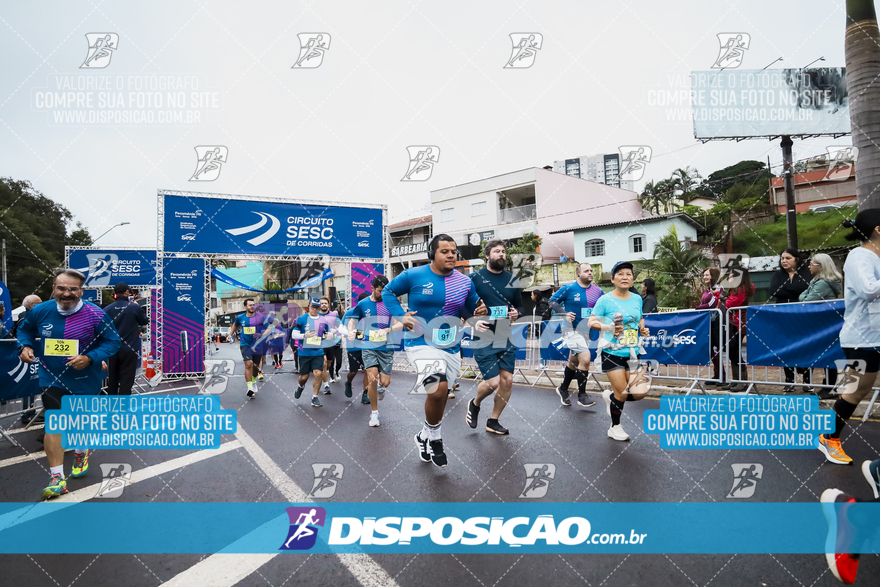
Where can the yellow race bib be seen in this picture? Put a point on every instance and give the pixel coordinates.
(630, 337)
(378, 337)
(314, 341)
(250, 329)
(56, 347)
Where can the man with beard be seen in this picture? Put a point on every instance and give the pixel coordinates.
(493, 348)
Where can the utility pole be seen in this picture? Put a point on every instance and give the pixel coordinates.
(788, 178)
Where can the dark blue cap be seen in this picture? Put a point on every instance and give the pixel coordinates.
(621, 265)
(315, 302)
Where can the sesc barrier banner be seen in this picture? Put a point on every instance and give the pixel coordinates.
(678, 338)
(194, 224)
(17, 379)
(795, 335)
(107, 267)
(183, 315)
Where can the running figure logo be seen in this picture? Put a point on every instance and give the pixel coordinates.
(841, 162)
(424, 369)
(101, 48)
(311, 50)
(733, 46)
(303, 530)
(732, 265)
(100, 269)
(327, 477)
(217, 374)
(211, 158)
(745, 479)
(524, 267)
(633, 159)
(116, 475)
(538, 478)
(525, 48)
(421, 162)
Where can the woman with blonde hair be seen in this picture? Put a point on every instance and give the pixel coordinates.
(825, 285)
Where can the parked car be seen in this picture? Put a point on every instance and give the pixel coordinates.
(224, 334)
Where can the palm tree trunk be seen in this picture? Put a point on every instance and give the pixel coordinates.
(862, 50)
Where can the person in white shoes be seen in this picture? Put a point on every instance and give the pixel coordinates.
(618, 316)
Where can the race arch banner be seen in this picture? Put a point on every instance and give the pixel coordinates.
(215, 225)
(107, 267)
(183, 311)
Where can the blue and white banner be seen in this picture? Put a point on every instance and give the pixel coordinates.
(107, 267)
(6, 302)
(678, 338)
(419, 527)
(183, 311)
(196, 224)
(311, 282)
(795, 335)
(17, 379)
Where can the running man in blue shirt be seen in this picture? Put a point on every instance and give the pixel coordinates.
(575, 301)
(439, 297)
(354, 351)
(251, 325)
(309, 329)
(619, 317)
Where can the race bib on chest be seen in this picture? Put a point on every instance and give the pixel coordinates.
(630, 337)
(443, 336)
(496, 312)
(585, 312)
(315, 340)
(56, 347)
(378, 336)
(250, 329)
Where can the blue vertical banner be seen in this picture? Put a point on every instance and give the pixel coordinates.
(6, 302)
(17, 379)
(183, 316)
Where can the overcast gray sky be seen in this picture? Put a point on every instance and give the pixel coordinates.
(397, 73)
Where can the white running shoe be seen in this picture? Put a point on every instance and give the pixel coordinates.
(374, 420)
(617, 433)
(327, 385)
(607, 395)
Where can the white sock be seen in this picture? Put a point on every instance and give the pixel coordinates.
(375, 413)
(434, 432)
(80, 451)
(59, 470)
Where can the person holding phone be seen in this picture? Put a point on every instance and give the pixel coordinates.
(493, 346)
(618, 316)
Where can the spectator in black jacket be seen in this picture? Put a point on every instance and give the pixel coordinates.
(786, 286)
(542, 310)
(128, 317)
(649, 297)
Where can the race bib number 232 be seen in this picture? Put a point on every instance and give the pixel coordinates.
(56, 347)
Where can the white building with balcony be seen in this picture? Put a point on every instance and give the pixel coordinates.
(408, 244)
(529, 200)
(603, 168)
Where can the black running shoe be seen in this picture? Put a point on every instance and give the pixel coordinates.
(423, 449)
(348, 389)
(251, 393)
(365, 399)
(585, 402)
(493, 426)
(473, 412)
(298, 392)
(563, 396)
(437, 454)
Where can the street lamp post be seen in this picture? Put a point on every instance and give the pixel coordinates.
(109, 229)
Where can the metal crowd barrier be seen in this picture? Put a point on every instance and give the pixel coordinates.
(770, 375)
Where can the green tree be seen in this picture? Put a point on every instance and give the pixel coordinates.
(749, 172)
(528, 243)
(862, 54)
(36, 232)
(686, 180)
(675, 268)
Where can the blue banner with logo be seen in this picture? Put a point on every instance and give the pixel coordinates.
(195, 224)
(326, 274)
(107, 267)
(465, 528)
(6, 303)
(183, 311)
(17, 379)
(678, 338)
(795, 335)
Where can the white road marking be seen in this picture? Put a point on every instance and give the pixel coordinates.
(225, 570)
(24, 458)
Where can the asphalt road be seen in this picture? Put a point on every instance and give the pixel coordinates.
(284, 437)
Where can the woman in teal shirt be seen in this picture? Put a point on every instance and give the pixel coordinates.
(620, 344)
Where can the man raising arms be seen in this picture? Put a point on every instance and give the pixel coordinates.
(575, 301)
(494, 351)
(439, 297)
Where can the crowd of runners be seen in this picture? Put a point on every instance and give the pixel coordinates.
(74, 342)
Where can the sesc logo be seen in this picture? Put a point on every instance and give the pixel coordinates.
(272, 230)
(303, 531)
(364, 244)
(188, 237)
(666, 340)
(184, 298)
